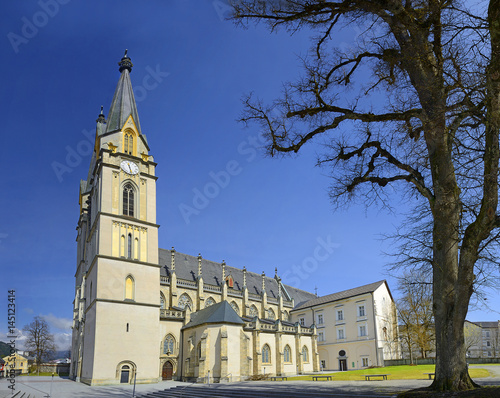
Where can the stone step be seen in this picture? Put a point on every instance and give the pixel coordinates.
(246, 392)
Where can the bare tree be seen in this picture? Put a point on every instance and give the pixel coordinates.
(424, 125)
(494, 339)
(415, 315)
(39, 341)
(473, 335)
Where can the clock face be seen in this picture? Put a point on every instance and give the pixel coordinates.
(129, 167)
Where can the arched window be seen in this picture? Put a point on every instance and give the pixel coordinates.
(198, 350)
(128, 200)
(287, 357)
(266, 354)
(253, 311)
(129, 288)
(285, 316)
(235, 307)
(305, 354)
(129, 246)
(185, 302)
(210, 301)
(122, 248)
(136, 248)
(270, 314)
(169, 345)
(128, 143)
(162, 301)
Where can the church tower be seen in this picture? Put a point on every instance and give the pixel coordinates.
(116, 306)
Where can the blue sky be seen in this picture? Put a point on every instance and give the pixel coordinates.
(191, 69)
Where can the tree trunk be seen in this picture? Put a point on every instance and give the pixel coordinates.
(451, 292)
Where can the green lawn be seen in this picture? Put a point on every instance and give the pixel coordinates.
(404, 372)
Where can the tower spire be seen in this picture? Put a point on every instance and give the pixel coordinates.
(123, 104)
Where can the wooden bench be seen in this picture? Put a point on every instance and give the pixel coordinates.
(431, 375)
(316, 378)
(368, 377)
(275, 378)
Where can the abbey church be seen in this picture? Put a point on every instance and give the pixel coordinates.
(144, 313)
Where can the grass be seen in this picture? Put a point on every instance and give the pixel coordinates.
(403, 372)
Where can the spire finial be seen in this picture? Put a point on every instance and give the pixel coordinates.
(101, 118)
(199, 265)
(244, 276)
(125, 63)
(263, 282)
(223, 271)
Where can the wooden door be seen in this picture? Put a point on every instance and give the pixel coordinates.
(168, 371)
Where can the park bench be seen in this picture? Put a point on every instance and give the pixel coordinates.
(384, 376)
(430, 375)
(316, 378)
(275, 378)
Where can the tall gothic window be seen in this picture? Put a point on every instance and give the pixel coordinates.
(305, 354)
(210, 301)
(185, 302)
(235, 307)
(253, 311)
(270, 314)
(287, 357)
(169, 345)
(128, 200)
(266, 354)
(128, 143)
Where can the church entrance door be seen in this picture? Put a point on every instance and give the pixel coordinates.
(342, 365)
(168, 371)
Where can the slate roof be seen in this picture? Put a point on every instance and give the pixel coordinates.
(217, 313)
(357, 291)
(488, 324)
(186, 267)
(123, 105)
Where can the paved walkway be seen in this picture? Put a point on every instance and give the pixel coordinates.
(65, 388)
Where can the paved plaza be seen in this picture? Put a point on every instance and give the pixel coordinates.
(61, 387)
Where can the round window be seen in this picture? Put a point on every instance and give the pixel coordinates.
(342, 353)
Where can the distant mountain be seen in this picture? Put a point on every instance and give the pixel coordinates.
(4, 349)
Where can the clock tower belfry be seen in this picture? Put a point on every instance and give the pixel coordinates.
(116, 307)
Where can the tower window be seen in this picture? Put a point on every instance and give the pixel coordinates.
(129, 246)
(128, 143)
(128, 200)
(129, 288)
